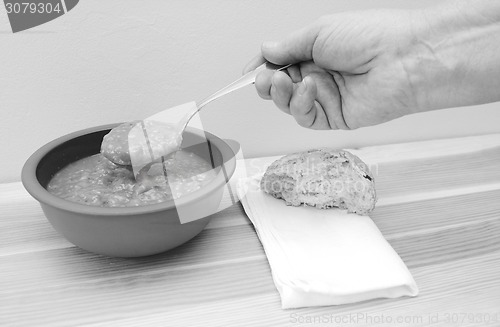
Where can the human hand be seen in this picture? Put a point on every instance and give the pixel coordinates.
(349, 70)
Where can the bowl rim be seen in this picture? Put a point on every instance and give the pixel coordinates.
(38, 192)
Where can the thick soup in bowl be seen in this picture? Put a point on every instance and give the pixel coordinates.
(97, 181)
(134, 230)
(106, 179)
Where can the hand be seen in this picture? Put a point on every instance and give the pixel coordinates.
(349, 71)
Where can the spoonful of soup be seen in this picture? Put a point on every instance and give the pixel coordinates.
(140, 143)
(125, 142)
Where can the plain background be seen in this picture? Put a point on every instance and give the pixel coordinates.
(119, 60)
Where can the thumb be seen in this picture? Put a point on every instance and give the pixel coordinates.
(295, 48)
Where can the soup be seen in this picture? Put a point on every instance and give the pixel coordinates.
(96, 181)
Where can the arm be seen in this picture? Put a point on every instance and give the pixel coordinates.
(455, 60)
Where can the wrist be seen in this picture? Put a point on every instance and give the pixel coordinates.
(453, 58)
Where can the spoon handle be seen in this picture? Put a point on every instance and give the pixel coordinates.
(247, 79)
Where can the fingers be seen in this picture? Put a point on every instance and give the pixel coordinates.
(254, 63)
(329, 98)
(295, 48)
(277, 86)
(281, 91)
(316, 103)
(303, 104)
(294, 73)
(263, 83)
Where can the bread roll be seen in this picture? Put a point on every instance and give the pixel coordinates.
(322, 178)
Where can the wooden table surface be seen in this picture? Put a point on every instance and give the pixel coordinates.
(439, 208)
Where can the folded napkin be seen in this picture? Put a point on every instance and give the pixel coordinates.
(324, 257)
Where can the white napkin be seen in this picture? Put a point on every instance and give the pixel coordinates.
(324, 257)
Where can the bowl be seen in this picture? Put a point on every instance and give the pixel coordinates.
(126, 231)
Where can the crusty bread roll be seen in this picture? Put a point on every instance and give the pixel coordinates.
(322, 178)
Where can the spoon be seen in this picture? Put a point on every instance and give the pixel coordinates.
(247, 79)
(154, 140)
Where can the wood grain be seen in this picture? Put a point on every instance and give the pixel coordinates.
(439, 208)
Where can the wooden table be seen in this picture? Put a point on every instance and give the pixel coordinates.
(439, 208)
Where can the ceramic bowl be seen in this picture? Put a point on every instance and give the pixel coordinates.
(131, 231)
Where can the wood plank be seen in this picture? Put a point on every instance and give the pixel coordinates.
(405, 221)
(439, 209)
(206, 264)
(439, 173)
(428, 149)
(463, 286)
